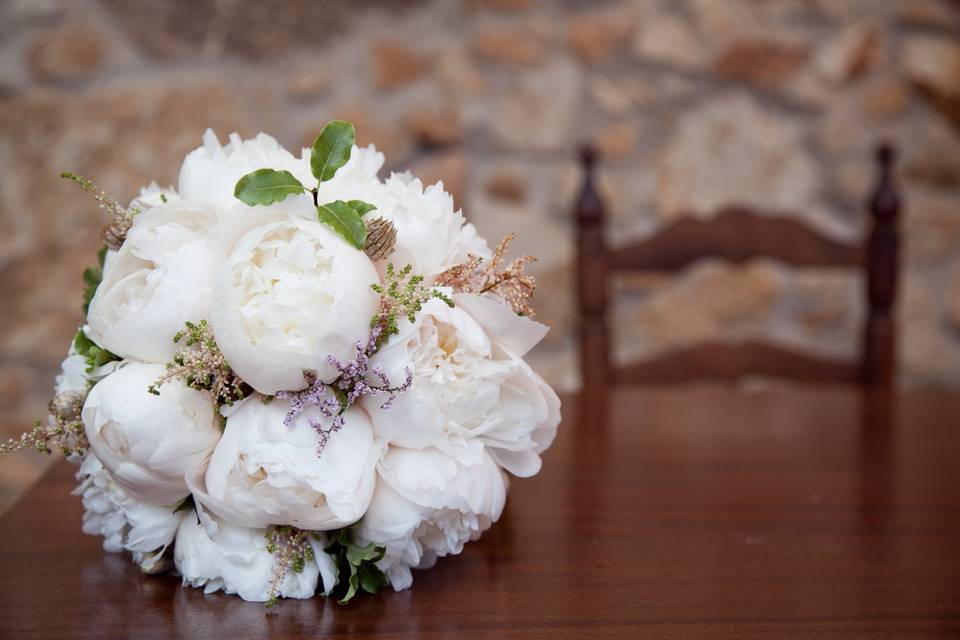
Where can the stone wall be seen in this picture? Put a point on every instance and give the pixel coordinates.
(695, 104)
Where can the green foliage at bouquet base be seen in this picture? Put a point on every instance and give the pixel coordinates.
(95, 355)
(91, 279)
(356, 567)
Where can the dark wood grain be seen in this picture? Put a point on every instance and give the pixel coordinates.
(592, 271)
(883, 264)
(738, 234)
(687, 514)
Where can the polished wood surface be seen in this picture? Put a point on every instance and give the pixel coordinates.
(718, 360)
(685, 514)
(738, 234)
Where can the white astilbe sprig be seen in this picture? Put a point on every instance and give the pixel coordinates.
(333, 399)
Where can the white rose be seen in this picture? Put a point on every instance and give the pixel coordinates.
(431, 236)
(291, 293)
(124, 522)
(210, 173)
(428, 504)
(214, 554)
(471, 390)
(148, 443)
(160, 278)
(264, 472)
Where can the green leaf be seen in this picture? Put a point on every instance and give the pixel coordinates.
(361, 207)
(266, 186)
(82, 343)
(355, 567)
(331, 149)
(351, 586)
(369, 553)
(372, 581)
(91, 278)
(345, 220)
(95, 355)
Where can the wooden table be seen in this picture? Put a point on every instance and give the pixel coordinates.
(688, 513)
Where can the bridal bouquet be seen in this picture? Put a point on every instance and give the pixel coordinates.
(295, 377)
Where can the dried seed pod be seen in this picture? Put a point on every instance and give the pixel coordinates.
(116, 232)
(66, 407)
(381, 238)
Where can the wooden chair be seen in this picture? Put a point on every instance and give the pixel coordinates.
(738, 234)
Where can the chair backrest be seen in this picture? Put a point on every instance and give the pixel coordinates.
(738, 234)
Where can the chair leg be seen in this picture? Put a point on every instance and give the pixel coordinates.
(591, 278)
(882, 268)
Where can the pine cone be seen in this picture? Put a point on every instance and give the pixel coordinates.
(381, 238)
(116, 232)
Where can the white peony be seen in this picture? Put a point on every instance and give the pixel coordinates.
(210, 173)
(284, 294)
(215, 555)
(291, 293)
(431, 236)
(73, 374)
(148, 443)
(428, 504)
(161, 277)
(471, 390)
(124, 522)
(153, 195)
(264, 472)
(356, 180)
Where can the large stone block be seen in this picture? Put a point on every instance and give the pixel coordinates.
(66, 54)
(765, 62)
(732, 151)
(538, 109)
(595, 36)
(932, 63)
(708, 302)
(669, 39)
(521, 44)
(395, 64)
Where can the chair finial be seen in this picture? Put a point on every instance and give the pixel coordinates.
(886, 154)
(588, 156)
(884, 202)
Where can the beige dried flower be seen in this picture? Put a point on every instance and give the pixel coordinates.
(116, 231)
(478, 276)
(63, 430)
